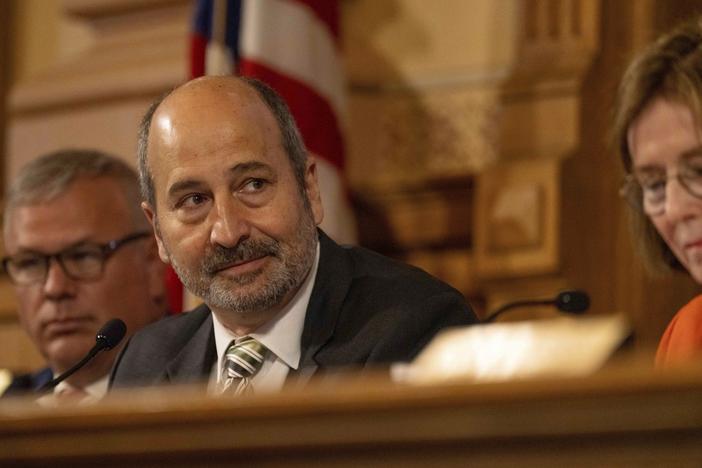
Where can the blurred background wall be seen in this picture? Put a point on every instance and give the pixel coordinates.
(476, 132)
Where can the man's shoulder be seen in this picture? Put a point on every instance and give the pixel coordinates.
(163, 340)
(147, 355)
(378, 272)
(380, 310)
(27, 383)
(375, 284)
(172, 330)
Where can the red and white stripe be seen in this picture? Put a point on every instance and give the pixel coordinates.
(293, 46)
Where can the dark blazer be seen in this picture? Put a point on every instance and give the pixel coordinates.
(28, 383)
(365, 310)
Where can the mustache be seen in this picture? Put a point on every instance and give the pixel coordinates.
(223, 257)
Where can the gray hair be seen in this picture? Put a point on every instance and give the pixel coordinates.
(291, 140)
(51, 175)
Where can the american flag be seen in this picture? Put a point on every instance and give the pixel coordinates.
(293, 45)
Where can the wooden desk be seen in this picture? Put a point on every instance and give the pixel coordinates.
(624, 418)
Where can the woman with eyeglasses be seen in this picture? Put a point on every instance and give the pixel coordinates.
(657, 130)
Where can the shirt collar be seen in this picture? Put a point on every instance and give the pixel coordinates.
(96, 389)
(282, 334)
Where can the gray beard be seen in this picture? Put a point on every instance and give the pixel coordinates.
(288, 267)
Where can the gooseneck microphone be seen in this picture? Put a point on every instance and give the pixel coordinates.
(106, 338)
(572, 301)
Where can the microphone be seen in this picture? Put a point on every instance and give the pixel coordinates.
(573, 301)
(106, 338)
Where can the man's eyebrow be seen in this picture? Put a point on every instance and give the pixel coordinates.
(248, 166)
(238, 169)
(183, 185)
(696, 151)
(23, 250)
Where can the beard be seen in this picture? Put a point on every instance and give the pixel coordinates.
(258, 291)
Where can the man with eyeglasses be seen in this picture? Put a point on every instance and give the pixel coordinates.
(79, 253)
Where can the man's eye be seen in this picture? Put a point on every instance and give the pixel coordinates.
(693, 168)
(192, 200)
(81, 255)
(27, 263)
(254, 185)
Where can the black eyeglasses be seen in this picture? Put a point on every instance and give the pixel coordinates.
(645, 190)
(85, 262)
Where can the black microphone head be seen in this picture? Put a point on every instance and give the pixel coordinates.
(111, 334)
(573, 301)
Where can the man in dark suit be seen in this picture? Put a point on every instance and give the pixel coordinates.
(234, 201)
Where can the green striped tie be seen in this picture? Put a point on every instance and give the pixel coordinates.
(241, 362)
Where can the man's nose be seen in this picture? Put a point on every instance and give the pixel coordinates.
(230, 225)
(57, 284)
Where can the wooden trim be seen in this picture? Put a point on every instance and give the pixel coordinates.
(624, 415)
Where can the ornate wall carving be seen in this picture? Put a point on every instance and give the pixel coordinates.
(418, 138)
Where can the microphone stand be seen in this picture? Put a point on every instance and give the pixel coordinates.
(571, 301)
(107, 338)
(527, 303)
(54, 382)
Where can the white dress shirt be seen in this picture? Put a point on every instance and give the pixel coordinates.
(94, 392)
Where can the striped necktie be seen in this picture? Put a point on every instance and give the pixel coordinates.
(241, 362)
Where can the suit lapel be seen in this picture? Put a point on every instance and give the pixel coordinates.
(194, 361)
(330, 288)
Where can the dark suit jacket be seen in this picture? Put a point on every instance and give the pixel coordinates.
(365, 310)
(28, 383)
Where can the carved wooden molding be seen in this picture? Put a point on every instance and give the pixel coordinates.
(516, 222)
(559, 38)
(541, 100)
(421, 218)
(438, 134)
(136, 44)
(106, 8)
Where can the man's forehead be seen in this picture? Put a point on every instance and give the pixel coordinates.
(215, 121)
(208, 109)
(210, 92)
(80, 202)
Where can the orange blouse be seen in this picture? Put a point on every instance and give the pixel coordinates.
(682, 340)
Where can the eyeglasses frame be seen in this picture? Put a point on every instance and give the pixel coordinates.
(107, 250)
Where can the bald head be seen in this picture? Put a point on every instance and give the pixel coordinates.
(233, 200)
(228, 99)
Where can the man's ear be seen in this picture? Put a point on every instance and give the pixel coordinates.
(312, 189)
(151, 216)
